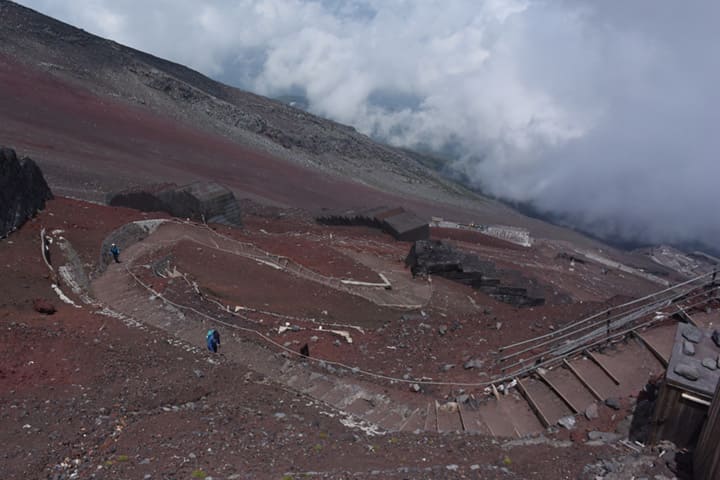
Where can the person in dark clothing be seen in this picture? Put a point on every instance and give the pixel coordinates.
(305, 350)
(115, 252)
(213, 340)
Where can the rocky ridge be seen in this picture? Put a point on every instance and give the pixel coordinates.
(23, 190)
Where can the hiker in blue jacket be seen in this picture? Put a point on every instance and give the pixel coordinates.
(115, 252)
(213, 340)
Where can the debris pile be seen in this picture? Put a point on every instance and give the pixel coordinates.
(435, 257)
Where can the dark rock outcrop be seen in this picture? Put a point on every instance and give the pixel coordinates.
(200, 201)
(23, 190)
(436, 257)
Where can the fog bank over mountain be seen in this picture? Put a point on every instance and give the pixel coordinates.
(604, 113)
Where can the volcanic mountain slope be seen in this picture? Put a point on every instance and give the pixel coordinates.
(98, 116)
(109, 69)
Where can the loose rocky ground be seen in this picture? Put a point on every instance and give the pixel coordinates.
(86, 395)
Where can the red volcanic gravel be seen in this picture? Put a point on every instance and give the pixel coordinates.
(84, 394)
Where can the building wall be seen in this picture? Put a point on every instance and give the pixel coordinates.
(677, 419)
(706, 460)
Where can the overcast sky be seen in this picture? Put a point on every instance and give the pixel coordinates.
(605, 111)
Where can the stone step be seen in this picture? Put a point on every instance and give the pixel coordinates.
(359, 407)
(318, 386)
(393, 420)
(416, 420)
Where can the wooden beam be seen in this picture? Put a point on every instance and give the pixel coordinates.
(602, 367)
(583, 381)
(652, 349)
(462, 420)
(558, 393)
(685, 316)
(695, 399)
(534, 406)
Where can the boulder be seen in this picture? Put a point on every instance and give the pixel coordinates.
(692, 334)
(474, 363)
(687, 371)
(42, 305)
(709, 363)
(613, 403)
(567, 422)
(23, 190)
(591, 412)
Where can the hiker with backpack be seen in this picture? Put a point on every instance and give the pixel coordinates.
(213, 340)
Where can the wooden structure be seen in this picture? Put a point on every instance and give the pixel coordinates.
(706, 459)
(396, 221)
(407, 227)
(688, 389)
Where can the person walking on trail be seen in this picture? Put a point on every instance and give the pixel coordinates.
(213, 340)
(115, 252)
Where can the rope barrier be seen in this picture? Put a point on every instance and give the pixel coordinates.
(498, 380)
(596, 315)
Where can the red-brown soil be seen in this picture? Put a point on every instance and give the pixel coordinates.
(82, 392)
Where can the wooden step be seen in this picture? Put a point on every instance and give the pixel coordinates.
(632, 363)
(570, 388)
(472, 419)
(662, 339)
(497, 419)
(552, 406)
(519, 413)
(431, 417)
(595, 377)
(448, 418)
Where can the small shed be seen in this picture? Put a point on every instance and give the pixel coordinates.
(706, 459)
(688, 389)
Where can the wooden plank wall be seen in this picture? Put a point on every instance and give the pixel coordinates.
(677, 419)
(706, 459)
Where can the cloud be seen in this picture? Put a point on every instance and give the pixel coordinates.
(605, 113)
